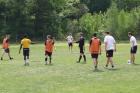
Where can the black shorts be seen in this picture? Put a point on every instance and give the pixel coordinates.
(94, 56)
(82, 50)
(26, 51)
(109, 53)
(48, 53)
(6, 50)
(70, 44)
(133, 50)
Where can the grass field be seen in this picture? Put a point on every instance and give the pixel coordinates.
(67, 76)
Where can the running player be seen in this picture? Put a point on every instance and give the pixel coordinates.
(81, 43)
(25, 43)
(70, 42)
(95, 49)
(110, 47)
(5, 46)
(49, 45)
(133, 50)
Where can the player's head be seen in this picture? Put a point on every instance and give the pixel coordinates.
(25, 36)
(106, 33)
(95, 35)
(49, 37)
(7, 36)
(70, 34)
(81, 34)
(130, 34)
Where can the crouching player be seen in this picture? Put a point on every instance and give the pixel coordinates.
(95, 49)
(25, 43)
(49, 45)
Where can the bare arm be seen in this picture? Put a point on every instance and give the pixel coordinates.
(20, 48)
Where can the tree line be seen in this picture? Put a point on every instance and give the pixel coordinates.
(37, 18)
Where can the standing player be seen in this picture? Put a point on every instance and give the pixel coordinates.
(110, 47)
(49, 45)
(25, 43)
(81, 43)
(133, 50)
(5, 46)
(95, 49)
(70, 42)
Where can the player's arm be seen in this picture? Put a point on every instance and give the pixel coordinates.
(20, 48)
(105, 46)
(115, 45)
(100, 51)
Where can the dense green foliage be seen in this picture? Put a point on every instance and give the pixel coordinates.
(38, 18)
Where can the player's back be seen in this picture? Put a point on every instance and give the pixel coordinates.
(26, 42)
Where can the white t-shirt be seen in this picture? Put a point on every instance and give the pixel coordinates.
(133, 41)
(70, 39)
(110, 42)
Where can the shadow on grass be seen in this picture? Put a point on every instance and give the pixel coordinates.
(97, 70)
(113, 69)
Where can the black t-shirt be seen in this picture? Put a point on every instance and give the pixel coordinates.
(81, 42)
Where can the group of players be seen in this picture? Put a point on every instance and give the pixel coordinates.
(94, 48)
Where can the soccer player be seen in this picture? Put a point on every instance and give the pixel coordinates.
(25, 43)
(81, 43)
(5, 46)
(110, 47)
(49, 45)
(95, 49)
(70, 42)
(133, 50)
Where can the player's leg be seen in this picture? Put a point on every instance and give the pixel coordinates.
(111, 62)
(50, 56)
(24, 55)
(46, 57)
(3, 53)
(84, 56)
(8, 52)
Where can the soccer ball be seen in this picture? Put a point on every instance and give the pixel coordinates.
(129, 62)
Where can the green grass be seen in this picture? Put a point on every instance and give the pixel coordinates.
(67, 76)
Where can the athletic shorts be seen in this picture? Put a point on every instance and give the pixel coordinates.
(133, 50)
(94, 56)
(48, 53)
(26, 51)
(109, 53)
(7, 50)
(82, 50)
(70, 44)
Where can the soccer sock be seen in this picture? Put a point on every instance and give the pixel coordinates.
(84, 58)
(80, 57)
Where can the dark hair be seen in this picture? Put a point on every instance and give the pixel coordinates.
(25, 35)
(49, 36)
(129, 33)
(95, 34)
(107, 32)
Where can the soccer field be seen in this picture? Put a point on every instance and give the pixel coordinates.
(67, 76)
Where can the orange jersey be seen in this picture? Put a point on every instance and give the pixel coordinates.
(49, 44)
(95, 45)
(5, 43)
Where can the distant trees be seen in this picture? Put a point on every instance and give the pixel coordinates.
(37, 18)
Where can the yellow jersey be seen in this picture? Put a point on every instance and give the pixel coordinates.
(26, 42)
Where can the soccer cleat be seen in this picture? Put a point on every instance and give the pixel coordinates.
(112, 66)
(11, 58)
(78, 62)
